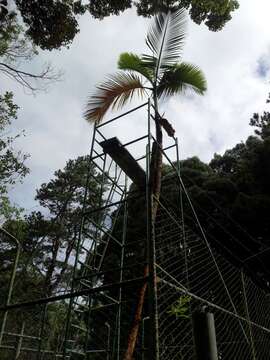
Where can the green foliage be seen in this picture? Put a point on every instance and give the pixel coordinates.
(180, 309)
(195, 163)
(8, 210)
(12, 163)
(13, 43)
(51, 23)
(8, 110)
(182, 78)
(233, 200)
(227, 164)
(133, 62)
(161, 72)
(56, 316)
(102, 8)
(63, 198)
(48, 242)
(262, 124)
(215, 14)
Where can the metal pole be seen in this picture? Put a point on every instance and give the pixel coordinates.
(121, 273)
(12, 279)
(248, 317)
(143, 337)
(19, 345)
(204, 333)
(108, 340)
(41, 334)
(71, 300)
(178, 167)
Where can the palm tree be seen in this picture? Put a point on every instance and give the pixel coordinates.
(163, 74)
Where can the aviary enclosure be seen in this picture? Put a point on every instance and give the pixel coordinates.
(91, 317)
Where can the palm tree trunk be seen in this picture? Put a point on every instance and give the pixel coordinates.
(133, 334)
(156, 168)
(154, 187)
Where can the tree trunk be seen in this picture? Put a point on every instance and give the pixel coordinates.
(69, 249)
(154, 188)
(156, 168)
(48, 278)
(133, 334)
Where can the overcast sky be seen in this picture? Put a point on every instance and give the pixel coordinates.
(235, 62)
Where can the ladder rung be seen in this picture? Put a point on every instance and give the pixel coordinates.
(109, 297)
(82, 305)
(94, 308)
(87, 285)
(84, 248)
(76, 352)
(87, 266)
(79, 311)
(79, 327)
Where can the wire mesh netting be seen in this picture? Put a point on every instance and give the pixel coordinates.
(193, 275)
(92, 312)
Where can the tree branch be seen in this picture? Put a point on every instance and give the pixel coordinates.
(31, 81)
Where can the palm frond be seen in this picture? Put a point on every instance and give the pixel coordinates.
(150, 62)
(180, 78)
(154, 34)
(132, 62)
(113, 93)
(165, 38)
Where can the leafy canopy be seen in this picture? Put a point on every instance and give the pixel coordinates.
(213, 13)
(51, 24)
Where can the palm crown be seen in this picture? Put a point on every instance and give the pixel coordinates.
(163, 72)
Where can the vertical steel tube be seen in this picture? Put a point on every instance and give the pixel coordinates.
(143, 337)
(20, 341)
(12, 279)
(67, 327)
(248, 317)
(41, 333)
(99, 217)
(108, 341)
(204, 333)
(178, 167)
(121, 272)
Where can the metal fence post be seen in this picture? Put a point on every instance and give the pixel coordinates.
(204, 335)
(248, 317)
(12, 279)
(20, 340)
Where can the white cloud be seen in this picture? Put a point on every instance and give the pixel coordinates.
(53, 121)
